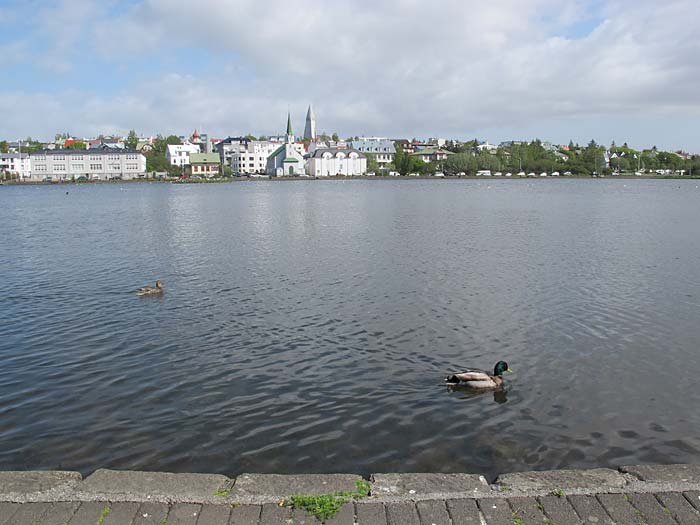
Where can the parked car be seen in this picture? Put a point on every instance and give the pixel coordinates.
(413, 175)
(509, 174)
(498, 174)
(394, 174)
(438, 174)
(370, 174)
(555, 174)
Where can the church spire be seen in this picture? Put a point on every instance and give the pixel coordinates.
(289, 124)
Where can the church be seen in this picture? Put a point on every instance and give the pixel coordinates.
(288, 159)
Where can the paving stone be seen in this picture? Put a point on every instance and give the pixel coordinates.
(60, 513)
(620, 509)
(463, 511)
(214, 515)
(184, 514)
(6, 511)
(693, 496)
(590, 510)
(370, 514)
(680, 508)
(273, 514)
(433, 512)
(33, 482)
(664, 473)
(496, 511)
(527, 510)
(151, 514)
(178, 487)
(88, 513)
(279, 486)
(403, 513)
(346, 516)
(30, 513)
(559, 510)
(301, 517)
(245, 515)
(402, 484)
(651, 509)
(563, 479)
(120, 513)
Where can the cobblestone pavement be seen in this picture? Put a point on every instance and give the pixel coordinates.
(634, 495)
(671, 508)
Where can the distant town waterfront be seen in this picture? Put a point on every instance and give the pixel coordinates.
(308, 327)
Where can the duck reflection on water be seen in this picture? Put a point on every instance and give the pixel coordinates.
(500, 395)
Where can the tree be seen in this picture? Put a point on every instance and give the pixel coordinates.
(250, 137)
(4, 147)
(372, 164)
(132, 140)
(76, 145)
(335, 137)
(400, 160)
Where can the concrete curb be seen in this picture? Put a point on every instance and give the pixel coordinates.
(163, 487)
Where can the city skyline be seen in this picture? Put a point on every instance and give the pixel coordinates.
(600, 69)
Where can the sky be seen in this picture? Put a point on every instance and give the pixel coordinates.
(558, 70)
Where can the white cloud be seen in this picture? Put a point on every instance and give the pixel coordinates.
(397, 68)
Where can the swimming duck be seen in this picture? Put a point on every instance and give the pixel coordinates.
(479, 379)
(150, 290)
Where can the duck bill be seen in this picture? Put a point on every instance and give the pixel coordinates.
(509, 371)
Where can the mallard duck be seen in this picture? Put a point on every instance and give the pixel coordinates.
(150, 290)
(479, 379)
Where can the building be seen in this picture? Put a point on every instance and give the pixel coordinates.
(327, 162)
(179, 154)
(288, 159)
(251, 159)
(431, 154)
(205, 165)
(16, 164)
(382, 149)
(103, 164)
(310, 128)
(230, 145)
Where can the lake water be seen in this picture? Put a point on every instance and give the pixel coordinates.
(308, 326)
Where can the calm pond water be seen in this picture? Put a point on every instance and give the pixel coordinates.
(307, 326)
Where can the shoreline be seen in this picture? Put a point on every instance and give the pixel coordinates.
(339, 178)
(628, 494)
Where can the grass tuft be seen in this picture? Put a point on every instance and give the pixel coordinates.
(558, 493)
(103, 515)
(325, 506)
(222, 493)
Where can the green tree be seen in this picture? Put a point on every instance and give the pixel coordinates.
(335, 137)
(250, 137)
(132, 140)
(76, 145)
(400, 160)
(4, 147)
(372, 164)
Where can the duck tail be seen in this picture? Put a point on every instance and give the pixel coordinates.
(452, 380)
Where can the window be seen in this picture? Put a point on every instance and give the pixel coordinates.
(59, 157)
(132, 166)
(77, 157)
(115, 166)
(94, 157)
(95, 167)
(77, 167)
(59, 167)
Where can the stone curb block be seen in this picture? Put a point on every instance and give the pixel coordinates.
(118, 485)
(277, 486)
(664, 473)
(425, 483)
(598, 478)
(36, 485)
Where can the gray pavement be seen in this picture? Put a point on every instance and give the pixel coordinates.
(635, 495)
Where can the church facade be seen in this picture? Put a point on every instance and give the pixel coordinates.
(288, 159)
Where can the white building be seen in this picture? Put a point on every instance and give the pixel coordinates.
(383, 149)
(16, 164)
(327, 162)
(288, 159)
(252, 157)
(179, 154)
(105, 164)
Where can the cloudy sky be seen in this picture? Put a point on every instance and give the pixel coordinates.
(624, 70)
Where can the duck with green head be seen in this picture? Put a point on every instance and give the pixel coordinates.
(479, 379)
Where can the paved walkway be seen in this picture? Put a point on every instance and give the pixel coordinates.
(630, 495)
